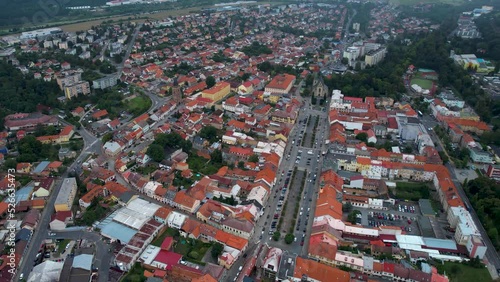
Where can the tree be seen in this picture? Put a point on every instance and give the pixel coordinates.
(352, 216)
(241, 164)
(216, 157)
(210, 81)
(253, 158)
(210, 133)
(156, 152)
(289, 238)
(362, 136)
(107, 137)
(217, 249)
(407, 149)
(276, 236)
(347, 207)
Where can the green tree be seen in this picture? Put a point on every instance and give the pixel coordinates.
(362, 136)
(216, 157)
(276, 236)
(289, 238)
(209, 133)
(107, 137)
(210, 81)
(217, 249)
(241, 164)
(347, 207)
(351, 217)
(253, 158)
(156, 152)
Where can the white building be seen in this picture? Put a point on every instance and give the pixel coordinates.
(40, 33)
(176, 220)
(460, 219)
(476, 247)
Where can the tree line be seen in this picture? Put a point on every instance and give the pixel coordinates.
(484, 195)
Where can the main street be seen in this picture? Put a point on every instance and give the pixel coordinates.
(307, 200)
(41, 232)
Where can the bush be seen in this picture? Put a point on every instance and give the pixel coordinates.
(194, 254)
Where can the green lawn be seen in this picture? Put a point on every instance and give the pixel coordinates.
(61, 246)
(464, 273)
(138, 105)
(170, 232)
(424, 83)
(194, 250)
(412, 191)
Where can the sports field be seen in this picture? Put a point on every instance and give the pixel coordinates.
(424, 83)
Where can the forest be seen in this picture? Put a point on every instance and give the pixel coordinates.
(484, 194)
(22, 94)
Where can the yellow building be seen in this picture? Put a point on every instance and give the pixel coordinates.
(217, 92)
(66, 195)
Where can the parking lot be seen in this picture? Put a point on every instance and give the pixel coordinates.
(404, 215)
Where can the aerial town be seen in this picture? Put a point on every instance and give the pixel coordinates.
(221, 146)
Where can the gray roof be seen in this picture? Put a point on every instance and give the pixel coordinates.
(83, 261)
(118, 231)
(41, 166)
(440, 243)
(47, 271)
(66, 189)
(426, 207)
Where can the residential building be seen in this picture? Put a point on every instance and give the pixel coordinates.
(217, 92)
(69, 79)
(280, 84)
(478, 155)
(271, 263)
(67, 193)
(375, 56)
(461, 220)
(476, 247)
(105, 82)
(493, 171)
(75, 89)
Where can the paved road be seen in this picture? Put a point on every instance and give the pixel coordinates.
(92, 145)
(310, 190)
(119, 69)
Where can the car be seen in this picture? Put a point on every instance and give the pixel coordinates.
(240, 268)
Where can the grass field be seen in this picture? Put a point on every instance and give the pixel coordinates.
(412, 191)
(191, 249)
(424, 83)
(458, 272)
(138, 105)
(170, 232)
(73, 27)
